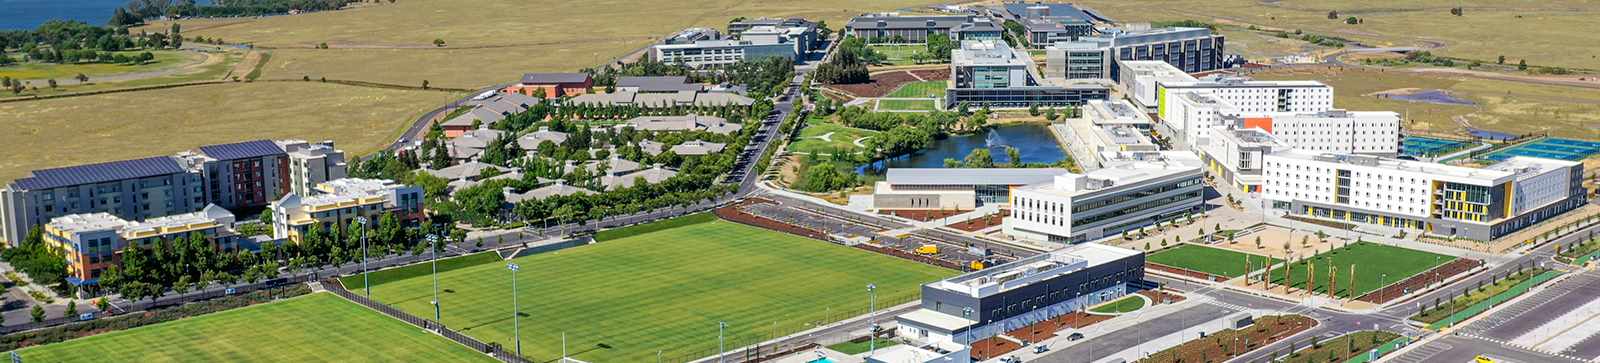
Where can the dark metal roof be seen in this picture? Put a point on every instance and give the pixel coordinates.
(99, 173)
(242, 150)
(1055, 10)
(552, 78)
(659, 83)
(907, 22)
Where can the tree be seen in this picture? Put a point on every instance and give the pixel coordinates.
(1522, 65)
(1033, 110)
(1352, 20)
(1015, 156)
(1501, 60)
(52, 82)
(1333, 14)
(38, 314)
(1051, 114)
(103, 304)
(1258, 241)
(72, 308)
(437, 42)
(82, 78)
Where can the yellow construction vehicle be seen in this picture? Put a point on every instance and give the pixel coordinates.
(928, 250)
(976, 265)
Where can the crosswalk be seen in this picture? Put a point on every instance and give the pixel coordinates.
(1423, 353)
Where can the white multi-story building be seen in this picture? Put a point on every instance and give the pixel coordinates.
(1236, 156)
(1131, 191)
(336, 203)
(1251, 96)
(1480, 204)
(1187, 118)
(1333, 131)
(1140, 79)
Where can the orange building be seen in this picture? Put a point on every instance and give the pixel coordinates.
(553, 84)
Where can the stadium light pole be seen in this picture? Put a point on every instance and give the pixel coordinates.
(721, 325)
(872, 319)
(515, 324)
(966, 313)
(433, 241)
(365, 284)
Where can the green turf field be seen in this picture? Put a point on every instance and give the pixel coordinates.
(1211, 260)
(1375, 265)
(1127, 304)
(664, 290)
(312, 328)
(920, 89)
(353, 282)
(907, 105)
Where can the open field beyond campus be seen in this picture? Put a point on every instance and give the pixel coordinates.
(1375, 266)
(195, 68)
(1504, 106)
(319, 327)
(77, 130)
(64, 73)
(488, 41)
(822, 136)
(622, 300)
(1215, 261)
(1543, 32)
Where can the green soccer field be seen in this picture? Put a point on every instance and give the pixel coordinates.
(319, 327)
(1375, 265)
(623, 300)
(1211, 260)
(920, 89)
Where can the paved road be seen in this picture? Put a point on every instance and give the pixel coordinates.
(419, 126)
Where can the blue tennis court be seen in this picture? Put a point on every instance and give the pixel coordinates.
(1424, 146)
(1550, 148)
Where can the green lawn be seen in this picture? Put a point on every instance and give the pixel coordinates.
(1211, 260)
(920, 89)
(840, 137)
(907, 105)
(312, 328)
(1127, 304)
(853, 348)
(1375, 265)
(623, 299)
(899, 55)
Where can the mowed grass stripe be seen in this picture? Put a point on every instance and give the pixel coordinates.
(319, 327)
(1372, 262)
(1211, 260)
(664, 290)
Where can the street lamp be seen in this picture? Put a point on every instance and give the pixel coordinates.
(872, 319)
(966, 313)
(433, 241)
(1383, 279)
(367, 285)
(515, 323)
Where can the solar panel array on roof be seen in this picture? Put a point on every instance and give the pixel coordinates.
(242, 150)
(99, 173)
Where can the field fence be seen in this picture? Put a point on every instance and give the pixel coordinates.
(756, 348)
(494, 350)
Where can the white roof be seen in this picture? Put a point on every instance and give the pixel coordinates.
(936, 319)
(1453, 173)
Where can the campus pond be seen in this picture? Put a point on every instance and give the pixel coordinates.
(1034, 143)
